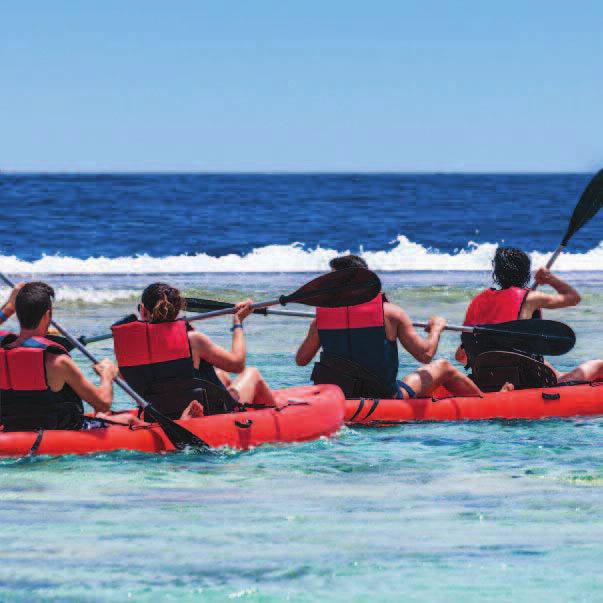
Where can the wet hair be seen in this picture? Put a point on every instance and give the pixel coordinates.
(163, 302)
(33, 301)
(511, 267)
(347, 261)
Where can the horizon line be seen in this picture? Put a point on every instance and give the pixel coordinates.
(290, 172)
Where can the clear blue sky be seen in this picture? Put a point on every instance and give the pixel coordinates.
(263, 85)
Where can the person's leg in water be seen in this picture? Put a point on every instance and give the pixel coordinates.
(249, 387)
(591, 370)
(425, 380)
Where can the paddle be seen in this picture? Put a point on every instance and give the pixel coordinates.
(195, 303)
(178, 435)
(546, 337)
(589, 204)
(334, 289)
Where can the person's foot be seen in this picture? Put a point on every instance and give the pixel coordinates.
(507, 387)
(193, 411)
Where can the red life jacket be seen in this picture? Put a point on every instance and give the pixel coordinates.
(496, 305)
(26, 401)
(149, 352)
(357, 333)
(156, 360)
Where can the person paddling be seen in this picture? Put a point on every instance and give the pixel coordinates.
(513, 300)
(41, 387)
(360, 349)
(8, 309)
(172, 365)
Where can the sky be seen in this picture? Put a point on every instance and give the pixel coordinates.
(301, 85)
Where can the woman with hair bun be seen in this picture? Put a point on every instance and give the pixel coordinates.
(181, 370)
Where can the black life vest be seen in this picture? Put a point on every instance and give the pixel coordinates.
(26, 401)
(156, 360)
(357, 334)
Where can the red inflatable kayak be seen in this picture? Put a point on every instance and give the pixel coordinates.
(565, 401)
(307, 413)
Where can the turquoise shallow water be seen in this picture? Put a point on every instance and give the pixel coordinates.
(491, 511)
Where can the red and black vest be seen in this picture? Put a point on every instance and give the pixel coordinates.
(149, 352)
(156, 360)
(494, 306)
(26, 401)
(357, 333)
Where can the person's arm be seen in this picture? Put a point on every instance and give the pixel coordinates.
(565, 297)
(421, 349)
(99, 397)
(309, 347)
(232, 361)
(8, 309)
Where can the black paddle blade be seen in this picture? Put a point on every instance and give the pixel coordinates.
(348, 287)
(589, 204)
(180, 437)
(546, 337)
(196, 303)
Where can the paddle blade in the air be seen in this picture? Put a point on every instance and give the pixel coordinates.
(546, 337)
(348, 287)
(589, 204)
(180, 437)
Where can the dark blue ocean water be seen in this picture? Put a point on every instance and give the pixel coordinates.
(124, 215)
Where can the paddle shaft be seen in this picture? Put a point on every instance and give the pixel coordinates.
(551, 261)
(80, 346)
(421, 325)
(227, 311)
(455, 328)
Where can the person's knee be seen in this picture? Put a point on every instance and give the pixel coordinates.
(252, 373)
(445, 366)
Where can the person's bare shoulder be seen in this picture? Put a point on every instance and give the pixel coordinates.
(394, 312)
(199, 340)
(61, 366)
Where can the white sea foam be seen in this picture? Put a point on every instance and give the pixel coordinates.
(404, 254)
(87, 295)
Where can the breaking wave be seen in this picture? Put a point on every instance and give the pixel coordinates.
(404, 254)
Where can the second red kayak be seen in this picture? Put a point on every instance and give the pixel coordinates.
(565, 401)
